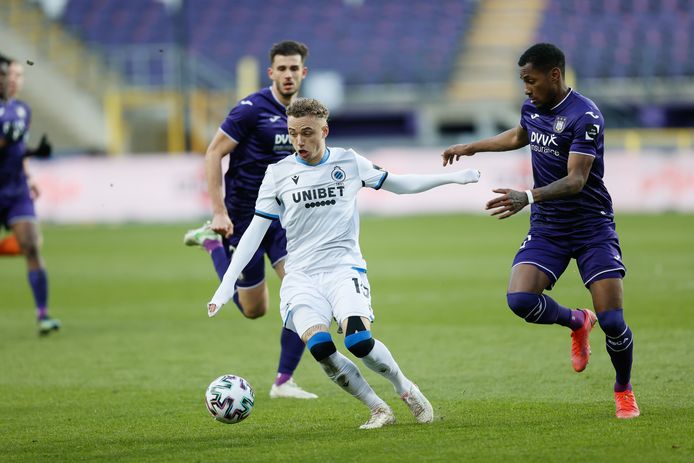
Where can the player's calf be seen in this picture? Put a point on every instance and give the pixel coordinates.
(529, 306)
(619, 343)
(541, 309)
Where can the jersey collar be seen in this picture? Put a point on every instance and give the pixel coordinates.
(325, 157)
(554, 108)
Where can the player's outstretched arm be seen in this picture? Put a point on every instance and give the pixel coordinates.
(510, 140)
(512, 201)
(242, 255)
(416, 183)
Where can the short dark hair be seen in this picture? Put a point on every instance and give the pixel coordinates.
(289, 48)
(544, 56)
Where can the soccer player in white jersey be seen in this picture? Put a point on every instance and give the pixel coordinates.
(313, 194)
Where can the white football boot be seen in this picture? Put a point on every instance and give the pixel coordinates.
(290, 390)
(418, 404)
(380, 416)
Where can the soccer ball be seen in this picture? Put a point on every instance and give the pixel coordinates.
(229, 399)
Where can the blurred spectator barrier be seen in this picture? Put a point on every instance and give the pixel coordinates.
(161, 188)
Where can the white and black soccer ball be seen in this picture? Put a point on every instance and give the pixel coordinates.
(229, 399)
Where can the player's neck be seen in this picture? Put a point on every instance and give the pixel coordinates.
(279, 97)
(560, 96)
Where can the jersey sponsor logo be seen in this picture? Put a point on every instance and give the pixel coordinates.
(592, 114)
(543, 139)
(273, 118)
(246, 102)
(21, 112)
(338, 174)
(542, 143)
(295, 179)
(319, 195)
(534, 116)
(592, 131)
(281, 139)
(559, 124)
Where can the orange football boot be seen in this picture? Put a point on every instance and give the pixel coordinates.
(625, 403)
(580, 347)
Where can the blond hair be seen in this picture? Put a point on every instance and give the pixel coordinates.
(302, 107)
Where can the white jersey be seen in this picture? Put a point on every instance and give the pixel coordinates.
(317, 206)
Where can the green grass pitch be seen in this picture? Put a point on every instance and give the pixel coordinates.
(125, 378)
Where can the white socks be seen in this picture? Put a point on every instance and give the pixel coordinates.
(346, 375)
(382, 362)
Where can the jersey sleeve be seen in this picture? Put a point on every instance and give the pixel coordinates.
(240, 121)
(267, 205)
(370, 174)
(588, 133)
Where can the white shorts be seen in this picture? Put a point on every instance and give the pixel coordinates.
(309, 300)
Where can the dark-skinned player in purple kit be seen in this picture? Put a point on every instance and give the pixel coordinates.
(571, 215)
(254, 135)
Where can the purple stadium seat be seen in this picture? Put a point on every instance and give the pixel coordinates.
(375, 42)
(622, 38)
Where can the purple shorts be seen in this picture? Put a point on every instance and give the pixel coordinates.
(274, 244)
(17, 209)
(597, 253)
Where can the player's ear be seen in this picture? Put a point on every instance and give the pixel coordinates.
(555, 74)
(269, 72)
(326, 130)
(304, 72)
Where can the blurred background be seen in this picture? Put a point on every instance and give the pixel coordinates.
(129, 91)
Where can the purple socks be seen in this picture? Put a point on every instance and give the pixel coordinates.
(574, 320)
(292, 348)
(220, 260)
(282, 378)
(39, 288)
(619, 343)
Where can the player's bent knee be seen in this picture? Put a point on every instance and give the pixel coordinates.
(253, 313)
(253, 310)
(522, 304)
(612, 322)
(358, 339)
(321, 346)
(360, 344)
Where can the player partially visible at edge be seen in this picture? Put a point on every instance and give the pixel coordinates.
(255, 133)
(313, 193)
(9, 245)
(16, 204)
(571, 215)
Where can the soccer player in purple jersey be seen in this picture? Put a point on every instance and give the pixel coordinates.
(571, 215)
(16, 204)
(255, 133)
(9, 245)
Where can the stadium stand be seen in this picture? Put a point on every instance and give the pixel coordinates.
(623, 38)
(405, 41)
(414, 71)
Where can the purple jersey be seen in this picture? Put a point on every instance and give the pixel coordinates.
(15, 117)
(575, 125)
(258, 123)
